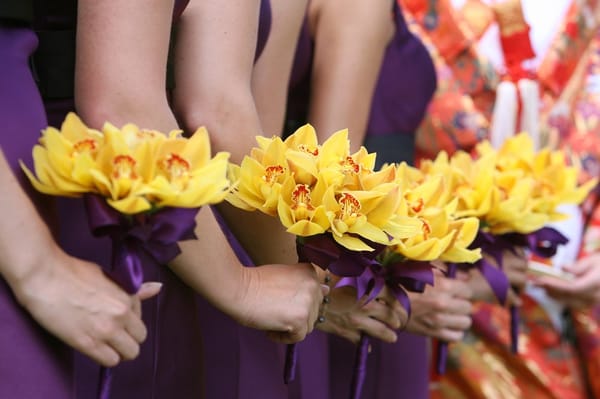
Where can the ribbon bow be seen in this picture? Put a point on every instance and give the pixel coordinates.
(137, 240)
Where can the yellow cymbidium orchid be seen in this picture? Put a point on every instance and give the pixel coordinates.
(260, 177)
(136, 170)
(63, 159)
(185, 173)
(317, 189)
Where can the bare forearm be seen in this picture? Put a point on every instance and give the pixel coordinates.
(121, 62)
(24, 238)
(214, 60)
(210, 266)
(272, 71)
(347, 61)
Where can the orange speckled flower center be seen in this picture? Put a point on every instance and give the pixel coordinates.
(349, 166)
(272, 173)
(307, 149)
(418, 205)
(176, 166)
(301, 197)
(87, 145)
(123, 167)
(349, 205)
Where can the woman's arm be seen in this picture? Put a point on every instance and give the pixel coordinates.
(350, 42)
(69, 297)
(120, 68)
(214, 55)
(276, 298)
(224, 95)
(215, 49)
(271, 75)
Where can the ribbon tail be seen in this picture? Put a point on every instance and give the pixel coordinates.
(127, 270)
(442, 357)
(291, 359)
(105, 383)
(514, 329)
(496, 278)
(360, 367)
(442, 352)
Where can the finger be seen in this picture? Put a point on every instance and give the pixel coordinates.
(457, 306)
(451, 321)
(136, 328)
(136, 306)
(458, 288)
(382, 313)
(449, 335)
(377, 329)
(463, 276)
(582, 266)
(124, 345)
(513, 298)
(285, 337)
(104, 355)
(558, 285)
(149, 290)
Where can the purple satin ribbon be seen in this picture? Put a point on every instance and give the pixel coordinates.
(495, 277)
(360, 367)
(137, 240)
(543, 242)
(323, 251)
(411, 275)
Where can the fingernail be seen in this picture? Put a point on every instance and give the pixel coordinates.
(325, 289)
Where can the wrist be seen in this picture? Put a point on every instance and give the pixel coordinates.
(31, 269)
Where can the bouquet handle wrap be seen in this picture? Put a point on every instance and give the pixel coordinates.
(442, 349)
(496, 278)
(409, 275)
(544, 243)
(137, 240)
(324, 252)
(360, 367)
(514, 329)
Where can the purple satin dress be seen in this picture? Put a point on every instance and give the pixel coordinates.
(170, 360)
(33, 363)
(405, 86)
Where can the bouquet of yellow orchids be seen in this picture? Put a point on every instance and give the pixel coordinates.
(346, 215)
(141, 188)
(514, 192)
(342, 212)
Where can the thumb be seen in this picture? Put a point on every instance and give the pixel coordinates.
(149, 290)
(513, 298)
